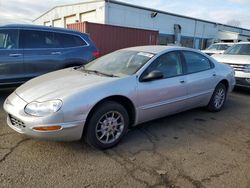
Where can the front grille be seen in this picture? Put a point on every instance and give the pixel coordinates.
(238, 67)
(16, 123)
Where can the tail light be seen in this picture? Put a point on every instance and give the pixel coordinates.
(96, 54)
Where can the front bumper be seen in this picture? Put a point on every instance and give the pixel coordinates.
(243, 82)
(23, 123)
(242, 79)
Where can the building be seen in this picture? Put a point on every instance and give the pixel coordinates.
(173, 28)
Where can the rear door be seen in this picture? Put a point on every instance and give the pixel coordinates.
(41, 52)
(165, 96)
(74, 48)
(201, 78)
(11, 57)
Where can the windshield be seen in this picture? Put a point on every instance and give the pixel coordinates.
(239, 49)
(218, 47)
(120, 63)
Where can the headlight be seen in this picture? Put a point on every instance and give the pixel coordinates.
(41, 109)
(247, 68)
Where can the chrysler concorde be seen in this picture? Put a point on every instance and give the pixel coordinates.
(101, 100)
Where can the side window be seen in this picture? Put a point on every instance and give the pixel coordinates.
(196, 62)
(169, 64)
(68, 40)
(39, 39)
(9, 39)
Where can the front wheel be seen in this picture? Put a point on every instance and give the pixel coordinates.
(107, 125)
(218, 98)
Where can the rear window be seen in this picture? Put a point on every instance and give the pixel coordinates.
(68, 40)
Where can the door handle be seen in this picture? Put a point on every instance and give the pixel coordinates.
(15, 55)
(182, 81)
(56, 53)
(214, 74)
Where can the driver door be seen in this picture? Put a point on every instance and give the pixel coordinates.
(165, 96)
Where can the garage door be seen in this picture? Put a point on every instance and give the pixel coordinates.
(70, 20)
(88, 16)
(47, 23)
(57, 23)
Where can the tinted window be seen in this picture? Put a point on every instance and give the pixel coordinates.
(224, 47)
(169, 64)
(39, 39)
(9, 39)
(196, 62)
(68, 40)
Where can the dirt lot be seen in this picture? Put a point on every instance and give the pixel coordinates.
(191, 149)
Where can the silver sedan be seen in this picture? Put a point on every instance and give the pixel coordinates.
(102, 99)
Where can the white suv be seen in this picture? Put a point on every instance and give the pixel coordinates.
(238, 56)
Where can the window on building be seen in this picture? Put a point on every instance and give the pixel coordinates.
(187, 42)
(166, 39)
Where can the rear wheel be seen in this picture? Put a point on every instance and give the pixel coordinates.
(218, 98)
(107, 125)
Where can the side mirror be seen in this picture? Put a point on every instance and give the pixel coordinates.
(153, 75)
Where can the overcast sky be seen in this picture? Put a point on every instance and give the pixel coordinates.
(24, 11)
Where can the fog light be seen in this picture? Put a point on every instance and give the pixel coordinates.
(248, 80)
(48, 128)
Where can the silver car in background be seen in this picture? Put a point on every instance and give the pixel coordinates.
(217, 48)
(101, 100)
(238, 56)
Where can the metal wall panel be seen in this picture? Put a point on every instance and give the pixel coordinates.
(109, 38)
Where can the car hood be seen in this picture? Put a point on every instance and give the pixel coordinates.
(232, 59)
(59, 83)
(213, 51)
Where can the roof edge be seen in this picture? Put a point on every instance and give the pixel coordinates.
(143, 8)
(172, 14)
(65, 5)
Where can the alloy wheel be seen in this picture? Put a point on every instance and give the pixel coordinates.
(110, 127)
(219, 98)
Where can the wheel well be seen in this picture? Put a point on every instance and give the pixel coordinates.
(124, 101)
(225, 83)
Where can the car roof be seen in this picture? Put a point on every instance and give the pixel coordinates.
(229, 43)
(40, 27)
(155, 49)
(243, 43)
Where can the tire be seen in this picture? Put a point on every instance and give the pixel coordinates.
(218, 98)
(107, 125)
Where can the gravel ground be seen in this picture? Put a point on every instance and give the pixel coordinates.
(192, 149)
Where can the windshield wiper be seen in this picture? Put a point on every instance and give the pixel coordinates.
(97, 72)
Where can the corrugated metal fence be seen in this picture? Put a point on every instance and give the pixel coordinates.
(109, 38)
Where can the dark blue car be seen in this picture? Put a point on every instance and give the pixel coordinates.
(27, 51)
